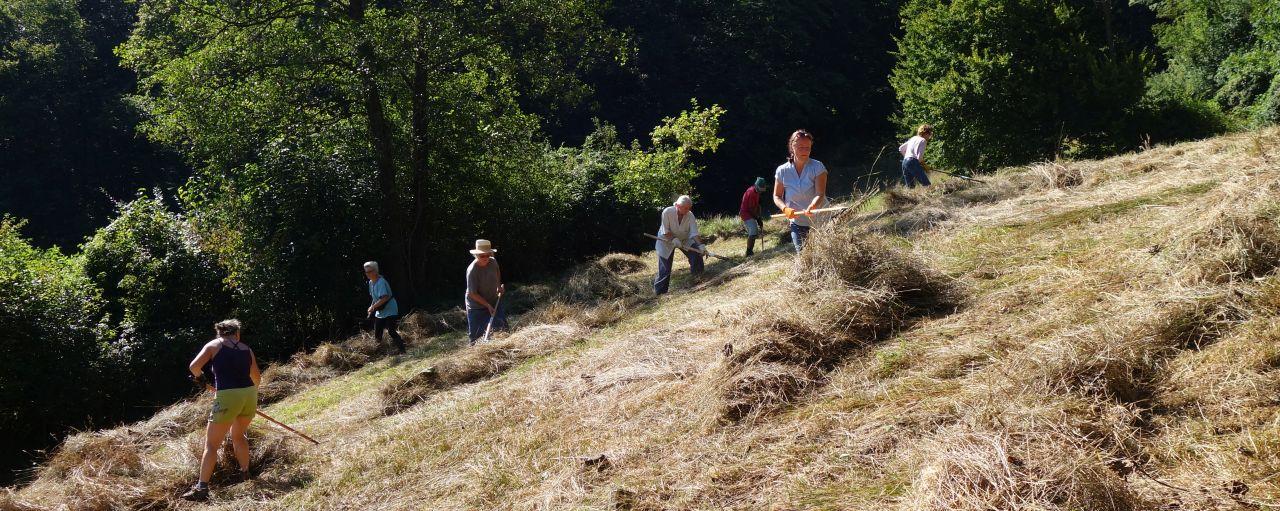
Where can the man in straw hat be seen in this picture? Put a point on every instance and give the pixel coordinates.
(749, 211)
(679, 230)
(484, 288)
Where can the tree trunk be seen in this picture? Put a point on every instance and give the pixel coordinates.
(395, 229)
(419, 167)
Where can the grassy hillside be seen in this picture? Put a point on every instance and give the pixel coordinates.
(1091, 335)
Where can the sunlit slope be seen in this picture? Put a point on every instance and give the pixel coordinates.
(1085, 335)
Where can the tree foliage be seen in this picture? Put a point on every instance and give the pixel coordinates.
(163, 292)
(1006, 82)
(51, 324)
(66, 136)
(773, 66)
(1223, 51)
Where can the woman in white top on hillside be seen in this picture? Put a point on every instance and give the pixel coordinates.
(913, 167)
(800, 186)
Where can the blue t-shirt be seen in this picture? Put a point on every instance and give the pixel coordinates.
(799, 189)
(379, 289)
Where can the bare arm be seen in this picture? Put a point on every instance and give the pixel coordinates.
(378, 304)
(819, 185)
(254, 373)
(206, 354)
(779, 192)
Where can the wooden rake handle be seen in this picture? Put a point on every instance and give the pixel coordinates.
(702, 251)
(291, 430)
(819, 210)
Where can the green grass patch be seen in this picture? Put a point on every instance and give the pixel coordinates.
(1114, 209)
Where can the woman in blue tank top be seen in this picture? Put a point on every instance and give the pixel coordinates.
(235, 383)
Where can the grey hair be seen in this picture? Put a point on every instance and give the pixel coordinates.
(684, 199)
(371, 265)
(227, 327)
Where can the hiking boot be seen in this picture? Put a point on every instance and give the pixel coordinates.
(242, 477)
(197, 493)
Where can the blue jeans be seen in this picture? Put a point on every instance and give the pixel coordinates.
(799, 233)
(753, 228)
(663, 281)
(478, 321)
(912, 172)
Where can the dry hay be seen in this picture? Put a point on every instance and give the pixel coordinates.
(284, 380)
(1054, 175)
(1121, 360)
(1235, 247)
(10, 502)
(897, 198)
(623, 264)
(593, 283)
(477, 363)
(920, 218)
(1042, 470)
(145, 465)
(305, 369)
(430, 325)
(847, 293)
(871, 261)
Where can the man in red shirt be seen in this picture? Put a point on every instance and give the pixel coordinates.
(750, 213)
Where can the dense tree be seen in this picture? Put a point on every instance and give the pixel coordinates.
(51, 325)
(1006, 82)
(1223, 51)
(67, 144)
(163, 292)
(773, 66)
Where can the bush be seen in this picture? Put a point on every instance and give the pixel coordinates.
(51, 324)
(1221, 53)
(1007, 82)
(164, 291)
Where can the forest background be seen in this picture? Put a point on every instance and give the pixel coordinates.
(168, 163)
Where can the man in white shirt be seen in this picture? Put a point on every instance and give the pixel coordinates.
(679, 230)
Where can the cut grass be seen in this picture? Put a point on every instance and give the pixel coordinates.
(1105, 328)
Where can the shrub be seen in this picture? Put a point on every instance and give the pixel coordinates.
(164, 290)
(51, 324)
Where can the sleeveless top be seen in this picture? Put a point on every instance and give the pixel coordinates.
(231, 368)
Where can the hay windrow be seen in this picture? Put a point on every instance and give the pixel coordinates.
(623, 264)
(477, 363)
(593, 283)
(1003, 470)
(428, 325)
(147, 465)
(848, 290)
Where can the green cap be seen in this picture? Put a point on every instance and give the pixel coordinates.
(760, 182)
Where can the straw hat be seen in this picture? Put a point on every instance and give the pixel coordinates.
(483, 247)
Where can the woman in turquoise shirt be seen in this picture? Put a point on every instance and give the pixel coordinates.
(800, 186)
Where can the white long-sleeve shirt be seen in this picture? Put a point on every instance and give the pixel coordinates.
(913, 148)
(683, 229)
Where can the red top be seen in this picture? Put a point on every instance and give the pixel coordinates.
(750, 204)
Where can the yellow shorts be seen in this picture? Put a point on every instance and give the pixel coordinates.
(231, 403)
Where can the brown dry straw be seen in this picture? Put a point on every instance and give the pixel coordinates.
(477, 363)
(848, 290)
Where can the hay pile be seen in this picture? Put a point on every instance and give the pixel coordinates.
(424, 325)
(149, 464)
(848, 290)
(478, 363)
(964, 469)
(623, 264)
(593, 295)
(306, 369)
(594, 283)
